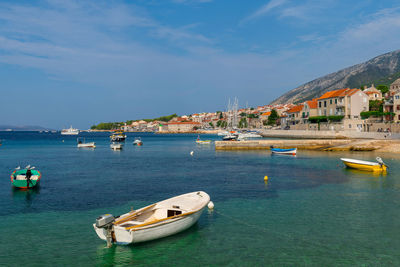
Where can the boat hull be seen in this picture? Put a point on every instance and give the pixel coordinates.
(359, 165)
(284, 151)
(92, 144)
(128, 231)
(126, 237)
(18, 181)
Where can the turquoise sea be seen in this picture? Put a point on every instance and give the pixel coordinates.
(311, 212)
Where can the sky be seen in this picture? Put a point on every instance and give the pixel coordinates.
(80, 63)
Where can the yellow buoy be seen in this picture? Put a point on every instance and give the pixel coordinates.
(265, 178)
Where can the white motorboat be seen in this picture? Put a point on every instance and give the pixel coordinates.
(155, 221)
(223, 133)
(248, 135)
(84, 144)
(70, 131)
(137, 142)
(116, 146)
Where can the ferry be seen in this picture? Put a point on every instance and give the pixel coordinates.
(70, 131)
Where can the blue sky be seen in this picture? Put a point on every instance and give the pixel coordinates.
(85, 62)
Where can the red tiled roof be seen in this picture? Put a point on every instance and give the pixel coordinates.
(339, 93)
(295, 109)
(183, 122)
(266, 113)
(312, 103)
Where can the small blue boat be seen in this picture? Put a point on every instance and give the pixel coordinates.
(289, 151)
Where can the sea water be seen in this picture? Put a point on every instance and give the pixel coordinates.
(310, 212)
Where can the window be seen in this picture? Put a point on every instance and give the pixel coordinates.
(398, 107)
(319, 103)
(330, 102)
(397, 97)
(336, 101)
(349, 125)
(325, 104)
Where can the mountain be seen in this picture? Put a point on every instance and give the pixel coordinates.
(383, 69)
(23, 128)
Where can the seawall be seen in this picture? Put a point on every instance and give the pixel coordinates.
(314, 144)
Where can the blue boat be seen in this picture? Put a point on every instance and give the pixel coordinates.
(289, 151)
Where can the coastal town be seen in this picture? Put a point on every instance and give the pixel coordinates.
(344, 110)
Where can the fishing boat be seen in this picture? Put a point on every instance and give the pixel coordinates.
(84, 144)
(155, 221)
(202, 142)
(287, 151)
(70, 131)
(116, 146)
(118, 137)
(25, 178)
(137, 141)
(363, 165)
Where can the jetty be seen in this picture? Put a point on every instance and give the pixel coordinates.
(314, 144)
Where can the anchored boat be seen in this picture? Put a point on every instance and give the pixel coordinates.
(84, 144)
(363, 165)
(137, 142)
(288, 151)
(25, 178)
(118, 137)
(202, 142)
(116, 146)
(155, 221)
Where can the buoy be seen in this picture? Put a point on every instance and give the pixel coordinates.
(191, 153)
(266, 178)
(210, 205)
(63, 141)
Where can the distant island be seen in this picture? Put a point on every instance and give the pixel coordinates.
(23, 128)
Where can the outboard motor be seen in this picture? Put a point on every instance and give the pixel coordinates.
(106, 221)
(380, 161)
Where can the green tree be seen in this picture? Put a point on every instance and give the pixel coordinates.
(211, 125)
(243, 123)
(376, 105)
(383, 88)
(273, 117)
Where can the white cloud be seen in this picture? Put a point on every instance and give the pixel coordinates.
(265, 9)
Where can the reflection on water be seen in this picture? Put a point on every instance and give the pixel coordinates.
(364, 173)
(27, 195)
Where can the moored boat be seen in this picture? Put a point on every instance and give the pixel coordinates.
(363, 165)
(83, 143)
(288, 151)
(25, 178)
(137, 142)
(70, 131)
(202, 142)
(118, 137)
(116, 146)
(155, 221)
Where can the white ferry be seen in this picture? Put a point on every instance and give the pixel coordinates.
(70, 131)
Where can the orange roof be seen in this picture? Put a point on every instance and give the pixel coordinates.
(295, 109)
(339, 93)
(183, 122)
(371, 92)
(312, 103)
(266, 113)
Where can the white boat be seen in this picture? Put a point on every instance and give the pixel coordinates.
(223, 133)
(116, 146)
(138, 141)
(248, 135)
(155, 221)
(287, 151)
(70, 131)
(84, 144)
